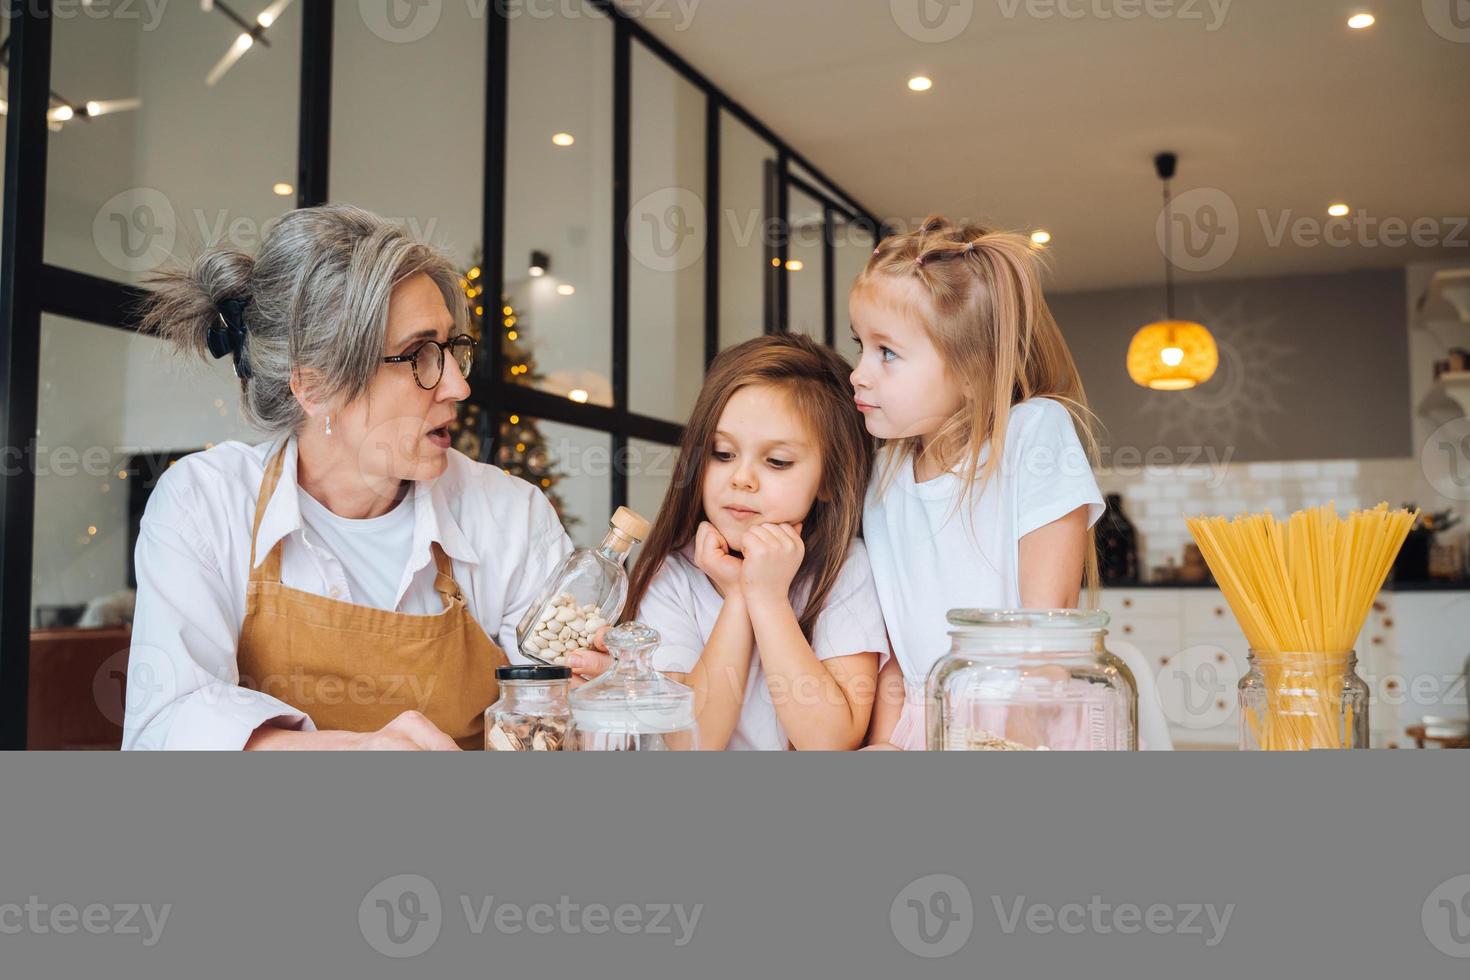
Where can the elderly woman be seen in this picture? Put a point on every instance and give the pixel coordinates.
(352, 582)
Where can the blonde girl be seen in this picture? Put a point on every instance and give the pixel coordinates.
(984, 495)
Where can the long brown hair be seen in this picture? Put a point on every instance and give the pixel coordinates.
(989, 321)
(814, 378)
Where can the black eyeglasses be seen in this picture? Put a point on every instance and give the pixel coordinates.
(428, 359)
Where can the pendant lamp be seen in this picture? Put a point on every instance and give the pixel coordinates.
(1171, 354)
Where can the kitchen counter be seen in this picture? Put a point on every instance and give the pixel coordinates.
(1435, 585)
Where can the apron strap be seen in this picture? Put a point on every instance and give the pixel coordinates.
(444, 582)
(270, 569)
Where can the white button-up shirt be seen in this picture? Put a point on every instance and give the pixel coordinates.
(183, 692)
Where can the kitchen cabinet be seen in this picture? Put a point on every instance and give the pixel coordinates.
(1411, 652)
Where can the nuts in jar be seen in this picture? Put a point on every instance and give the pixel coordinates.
(535, 735)
(563, 626)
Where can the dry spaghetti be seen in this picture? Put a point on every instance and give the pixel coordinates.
(1301, 591)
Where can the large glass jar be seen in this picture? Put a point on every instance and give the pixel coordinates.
(532, 714)
(583, 595)
(632, 707)
(1030, 679)
(1294, 701)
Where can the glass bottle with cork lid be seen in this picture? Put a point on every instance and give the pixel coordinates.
(632, 707)
(584, 594)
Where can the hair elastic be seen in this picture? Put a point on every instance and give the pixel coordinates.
(229, 336)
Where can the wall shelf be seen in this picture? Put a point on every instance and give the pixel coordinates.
(1448, 398)
(1448, 289)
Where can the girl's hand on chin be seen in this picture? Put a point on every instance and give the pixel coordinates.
(712, 556)
(773, 554)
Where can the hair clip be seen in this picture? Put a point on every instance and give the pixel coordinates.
(969, 247)
(878, 250)
(920, 260)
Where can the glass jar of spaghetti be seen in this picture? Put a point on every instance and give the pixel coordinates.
(1295, 701)
(1030, 679)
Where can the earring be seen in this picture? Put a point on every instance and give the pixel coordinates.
(329, 425)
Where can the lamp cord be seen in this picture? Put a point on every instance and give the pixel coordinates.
(1168, 252)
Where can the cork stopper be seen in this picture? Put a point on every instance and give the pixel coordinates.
(634, 528)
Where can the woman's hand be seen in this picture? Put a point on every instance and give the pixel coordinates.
(773, 554)
(409, 732)
(712, 556)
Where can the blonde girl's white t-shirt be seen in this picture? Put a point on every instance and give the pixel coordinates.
(929, 558)
(683, 605)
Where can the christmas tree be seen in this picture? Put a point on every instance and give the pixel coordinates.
(519, 448)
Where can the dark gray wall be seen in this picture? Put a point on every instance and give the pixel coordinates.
(1311, 367)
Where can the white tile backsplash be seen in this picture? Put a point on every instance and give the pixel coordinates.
(1157, 498)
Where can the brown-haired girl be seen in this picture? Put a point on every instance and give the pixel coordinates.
(985, 495)
(753, 574)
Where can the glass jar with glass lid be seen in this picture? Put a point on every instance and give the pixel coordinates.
(632, 707)
(1031, 679)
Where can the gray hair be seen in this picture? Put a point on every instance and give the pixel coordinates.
(318, 290)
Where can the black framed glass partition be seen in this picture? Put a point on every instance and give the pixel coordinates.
(618, 217)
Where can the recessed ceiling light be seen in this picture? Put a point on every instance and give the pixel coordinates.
(795, 265)
(283, 189)
(1361, 22)
(921, 83)
(563, 139)
(1040, 237)
(1339, 210)
(566, 289)
(578, 395)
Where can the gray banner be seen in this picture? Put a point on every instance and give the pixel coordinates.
(726, 865)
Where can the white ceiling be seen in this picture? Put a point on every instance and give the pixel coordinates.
(1038, 121)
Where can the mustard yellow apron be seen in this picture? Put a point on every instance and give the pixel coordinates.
(356, 668)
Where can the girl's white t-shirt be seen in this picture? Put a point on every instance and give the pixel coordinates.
(683, 605)
(929, 558)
